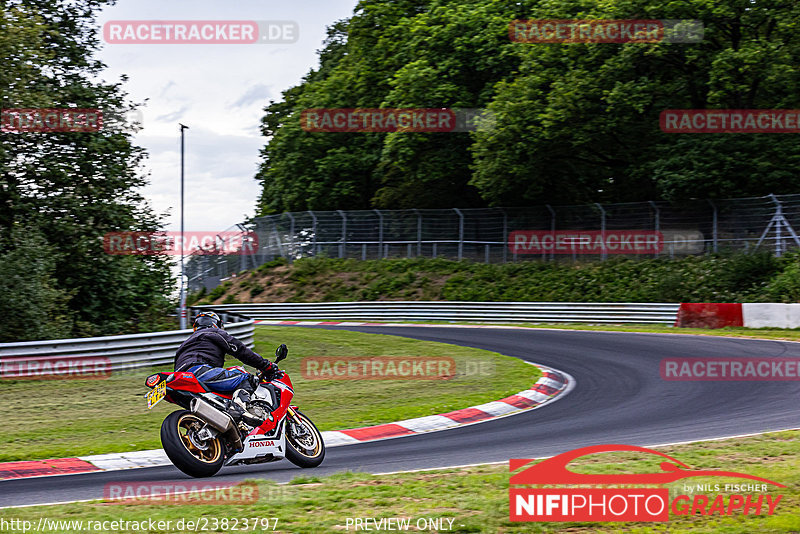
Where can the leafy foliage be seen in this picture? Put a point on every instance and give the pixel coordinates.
(574, 123)
(33, 305)
(73, 188)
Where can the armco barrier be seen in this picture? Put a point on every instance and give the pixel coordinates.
(748, 314)
(757, 315)
(143, 350)
(709, 315)
(489, 312)
(121, 352)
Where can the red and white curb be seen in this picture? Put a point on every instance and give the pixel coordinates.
(552, 385)
(548, 388)
(45, 468)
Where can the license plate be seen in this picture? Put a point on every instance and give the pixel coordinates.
(156, 394)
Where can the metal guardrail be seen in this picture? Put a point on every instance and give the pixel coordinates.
(120, 352)
(145, 350)
(490, 312)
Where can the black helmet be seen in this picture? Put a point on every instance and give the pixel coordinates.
(207, 319)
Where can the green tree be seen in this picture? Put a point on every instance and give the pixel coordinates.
(575, 122)
(422, 54)
(33, 305)
(75, 187)
(580, 121)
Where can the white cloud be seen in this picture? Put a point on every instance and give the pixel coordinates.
(258, 94)
(219, 91)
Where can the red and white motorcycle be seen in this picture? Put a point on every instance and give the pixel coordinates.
(203, 437)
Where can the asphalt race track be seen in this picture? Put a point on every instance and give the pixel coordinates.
(619, 398)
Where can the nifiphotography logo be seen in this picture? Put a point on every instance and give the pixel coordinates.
(628, 497)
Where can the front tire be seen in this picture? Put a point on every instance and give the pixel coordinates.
(304, 445)
(197, 460)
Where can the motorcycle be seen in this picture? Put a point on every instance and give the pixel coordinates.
(203, 436)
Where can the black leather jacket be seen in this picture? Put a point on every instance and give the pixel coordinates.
(210, 345)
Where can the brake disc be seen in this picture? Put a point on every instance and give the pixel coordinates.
(201, 444)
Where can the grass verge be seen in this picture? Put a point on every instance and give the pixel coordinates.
(65, 418)
(474, 498)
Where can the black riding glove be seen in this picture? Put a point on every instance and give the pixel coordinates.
(270, 371)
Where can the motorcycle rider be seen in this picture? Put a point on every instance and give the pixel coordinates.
(203, 354)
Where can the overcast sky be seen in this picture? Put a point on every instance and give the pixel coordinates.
(219, 91)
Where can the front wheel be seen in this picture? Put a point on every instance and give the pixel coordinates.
(194, 457)
(304, 445)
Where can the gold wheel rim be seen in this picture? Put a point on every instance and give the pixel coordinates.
(298, 446)
(190, 423)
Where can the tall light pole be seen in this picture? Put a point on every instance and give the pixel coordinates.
(183, 325)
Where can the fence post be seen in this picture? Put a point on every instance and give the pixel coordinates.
(380, 233)
(552, 230)
(714, 224)
(343, 245)
(779, 221)
(460, 233)
(314, 231)
(277, 237)
(291, 236)
(259, 258)
(242, 260)
(602, 229)
(657, 224)
(419, 232)
(505, 235)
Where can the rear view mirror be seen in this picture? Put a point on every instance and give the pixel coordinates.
(281, 353)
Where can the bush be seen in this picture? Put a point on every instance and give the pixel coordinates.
(256, 290)
(33, 306)
(218, 291)
(277, 262)
(192, 298)
(785, 287)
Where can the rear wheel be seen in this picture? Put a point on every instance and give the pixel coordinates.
(304, 445)
(195, 457)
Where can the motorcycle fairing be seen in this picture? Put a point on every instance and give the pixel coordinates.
(286, 394)
(271, 445)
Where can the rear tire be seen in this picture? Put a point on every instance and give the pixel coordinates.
(305, 449)
(184, 452)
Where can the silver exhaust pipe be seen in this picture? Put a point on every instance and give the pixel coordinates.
(217, 419)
